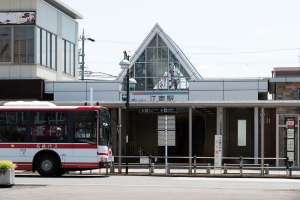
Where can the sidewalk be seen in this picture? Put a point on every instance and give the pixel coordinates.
(231, 173)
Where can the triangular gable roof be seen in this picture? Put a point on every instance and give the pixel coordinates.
(174, 48)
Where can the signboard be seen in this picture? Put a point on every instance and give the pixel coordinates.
(290, 138)
(144, 160)
(290, 145)
(157, 110)
(168, 127)
(218, 151)
(291, 156)
(290, 133)
(17, 18)
(158, 96)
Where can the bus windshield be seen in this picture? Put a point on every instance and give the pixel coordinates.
(105, 128)
(85, 127)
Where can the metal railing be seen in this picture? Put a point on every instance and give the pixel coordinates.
(193, 166)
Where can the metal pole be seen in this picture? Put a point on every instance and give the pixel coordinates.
(82, 56)
(91, 96)
(120, 140)
(128, 122)
(298, 145)
(190, 138)
(166, 144)
(262, 120)
(256, 130)
(277, 139)
(127, 89)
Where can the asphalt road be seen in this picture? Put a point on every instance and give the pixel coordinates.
(150, 188)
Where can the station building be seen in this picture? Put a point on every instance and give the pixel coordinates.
(253, 117)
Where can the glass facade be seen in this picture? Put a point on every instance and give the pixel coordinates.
(23, 45)
(157, 68)
(5, 44)
(47, 49)
(69, 58)
(17, 44)
(43, 47)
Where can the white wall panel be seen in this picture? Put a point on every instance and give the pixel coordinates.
(206, 95)
(68, 28)
(47, 16)
(206, 85)
(241, 95)
(241, 85)
(28, 5)
(69, 86)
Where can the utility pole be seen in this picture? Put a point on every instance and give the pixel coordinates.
(82, 55)
(83, 38)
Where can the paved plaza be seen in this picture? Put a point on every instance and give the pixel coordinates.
(146, 188)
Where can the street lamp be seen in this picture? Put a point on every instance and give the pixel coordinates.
(83, 38)
(130, 83)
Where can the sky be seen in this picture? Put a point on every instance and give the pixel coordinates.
(222, 38)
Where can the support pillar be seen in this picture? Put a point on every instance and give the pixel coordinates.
(119, 140)
(218, 155)
(256, 121)
(220, 122)
(277, 139)
(190, 138)
(262, 139)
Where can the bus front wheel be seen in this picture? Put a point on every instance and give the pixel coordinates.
(48, 165)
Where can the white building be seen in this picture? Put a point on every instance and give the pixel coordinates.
(38, 40)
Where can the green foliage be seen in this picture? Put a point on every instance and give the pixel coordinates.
(6, 164)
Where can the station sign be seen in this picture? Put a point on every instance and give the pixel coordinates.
(157, 96)
(15, 18)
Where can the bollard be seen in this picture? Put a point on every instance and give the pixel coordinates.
(267, 169)
(195, 164)
(241, 165)
(112, 168)
(290, 164)
(106, 169)
(287, 165)
(208, 168)
(151, 165)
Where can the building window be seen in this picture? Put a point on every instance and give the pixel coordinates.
(157, 68)
(43, 47)
(53, 51)
(49, 43)
(17, 45)
(48, 49)
(69, 58)
(242, 132)
(23, 45)
(38, 45)
(5, 44)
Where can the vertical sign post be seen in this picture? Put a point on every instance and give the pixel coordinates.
(290, 139)
(166, 144)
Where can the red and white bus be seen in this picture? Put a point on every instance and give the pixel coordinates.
(50, 139)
